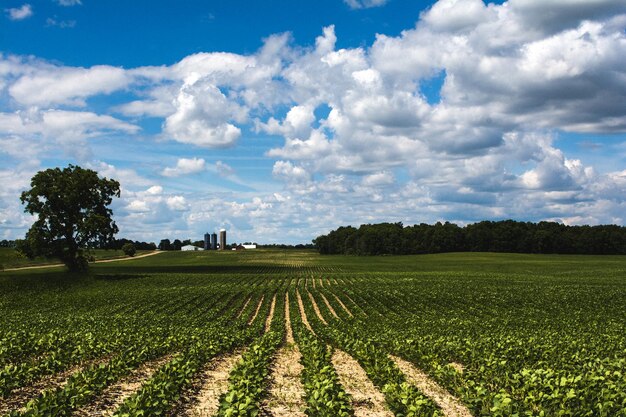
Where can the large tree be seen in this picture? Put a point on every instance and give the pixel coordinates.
(71, 205)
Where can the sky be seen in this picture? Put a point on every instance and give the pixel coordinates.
(280, 120)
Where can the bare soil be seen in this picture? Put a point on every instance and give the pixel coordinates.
(318, 313)
(113, 396)
(286, 393)
(256, 313)
(244, 307)
(18, 399)
(270, 316)
(367, 400)
(289, 331)
(214, 383)
(330, 308)
(343, 305)
(305, 321)
(450, 405)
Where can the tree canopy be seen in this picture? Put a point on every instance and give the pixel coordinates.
(486, 236)
(73, 214)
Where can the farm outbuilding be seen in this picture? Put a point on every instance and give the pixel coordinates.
(190, 247)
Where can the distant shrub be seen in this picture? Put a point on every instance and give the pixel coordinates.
(129, 249)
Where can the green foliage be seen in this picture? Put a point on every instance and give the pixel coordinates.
(71, 206)
(507, 335)
(503, 236)
(129, 249)
(248, 378)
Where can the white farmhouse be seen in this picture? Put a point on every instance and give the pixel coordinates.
(190, 247)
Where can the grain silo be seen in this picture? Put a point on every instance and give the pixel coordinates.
(214, 241)
(222, 239)
(207, 241)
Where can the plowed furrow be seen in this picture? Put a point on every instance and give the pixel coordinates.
(450, 405)
(367, 400)
(112, 397)
(285, 394)
(214, 383)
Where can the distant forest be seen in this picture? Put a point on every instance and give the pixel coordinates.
(487, 236)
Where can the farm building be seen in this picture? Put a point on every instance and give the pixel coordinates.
(190, 247)
(252, 246)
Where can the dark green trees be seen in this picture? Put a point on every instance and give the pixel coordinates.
(71, 205)
(486, 236)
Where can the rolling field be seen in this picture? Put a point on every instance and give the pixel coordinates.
(288, 333)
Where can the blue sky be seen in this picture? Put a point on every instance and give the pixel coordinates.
(281, 120)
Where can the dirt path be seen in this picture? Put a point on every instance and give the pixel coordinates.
(256, 313)
(305, 321)
(19, 397)
(214, 383)
(332, 311)
(270, 316)
(318, 313)
(289, 330)
(244, 307)
(145, 255)
(367, 400)
(286, 394)
(343, 305)
(112, 397)
(450, 405)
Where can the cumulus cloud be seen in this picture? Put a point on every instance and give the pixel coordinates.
(68, 3)
(185, 166)
(358, 127)
(202, 116)
(20, 13)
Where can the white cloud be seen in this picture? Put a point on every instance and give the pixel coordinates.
(177, 203)
(63, 24)
(185, 166)
(365, 4)
(20, 13)
(202, 116)
(68, 3)
(224, 170)
(65, 85)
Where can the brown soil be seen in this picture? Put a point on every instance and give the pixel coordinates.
(19, 397)
(313, 280)
(321, 282)
(457, 367)
(318, 313)
(285, 394)
(270, 316)
(332, 311)
(214, 383)
(367, 400)
(256, 313)
(305, 321)
(113, 396)
(244, 307)
(450, 405)
(343, 305)
(289, 331)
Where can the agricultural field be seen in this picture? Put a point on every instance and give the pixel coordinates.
(10, 258)
(294, 333)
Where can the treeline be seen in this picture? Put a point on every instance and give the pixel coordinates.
(119, 243)
(487, 236)
(298, 246)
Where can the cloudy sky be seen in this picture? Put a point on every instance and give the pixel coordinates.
(282, 120)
